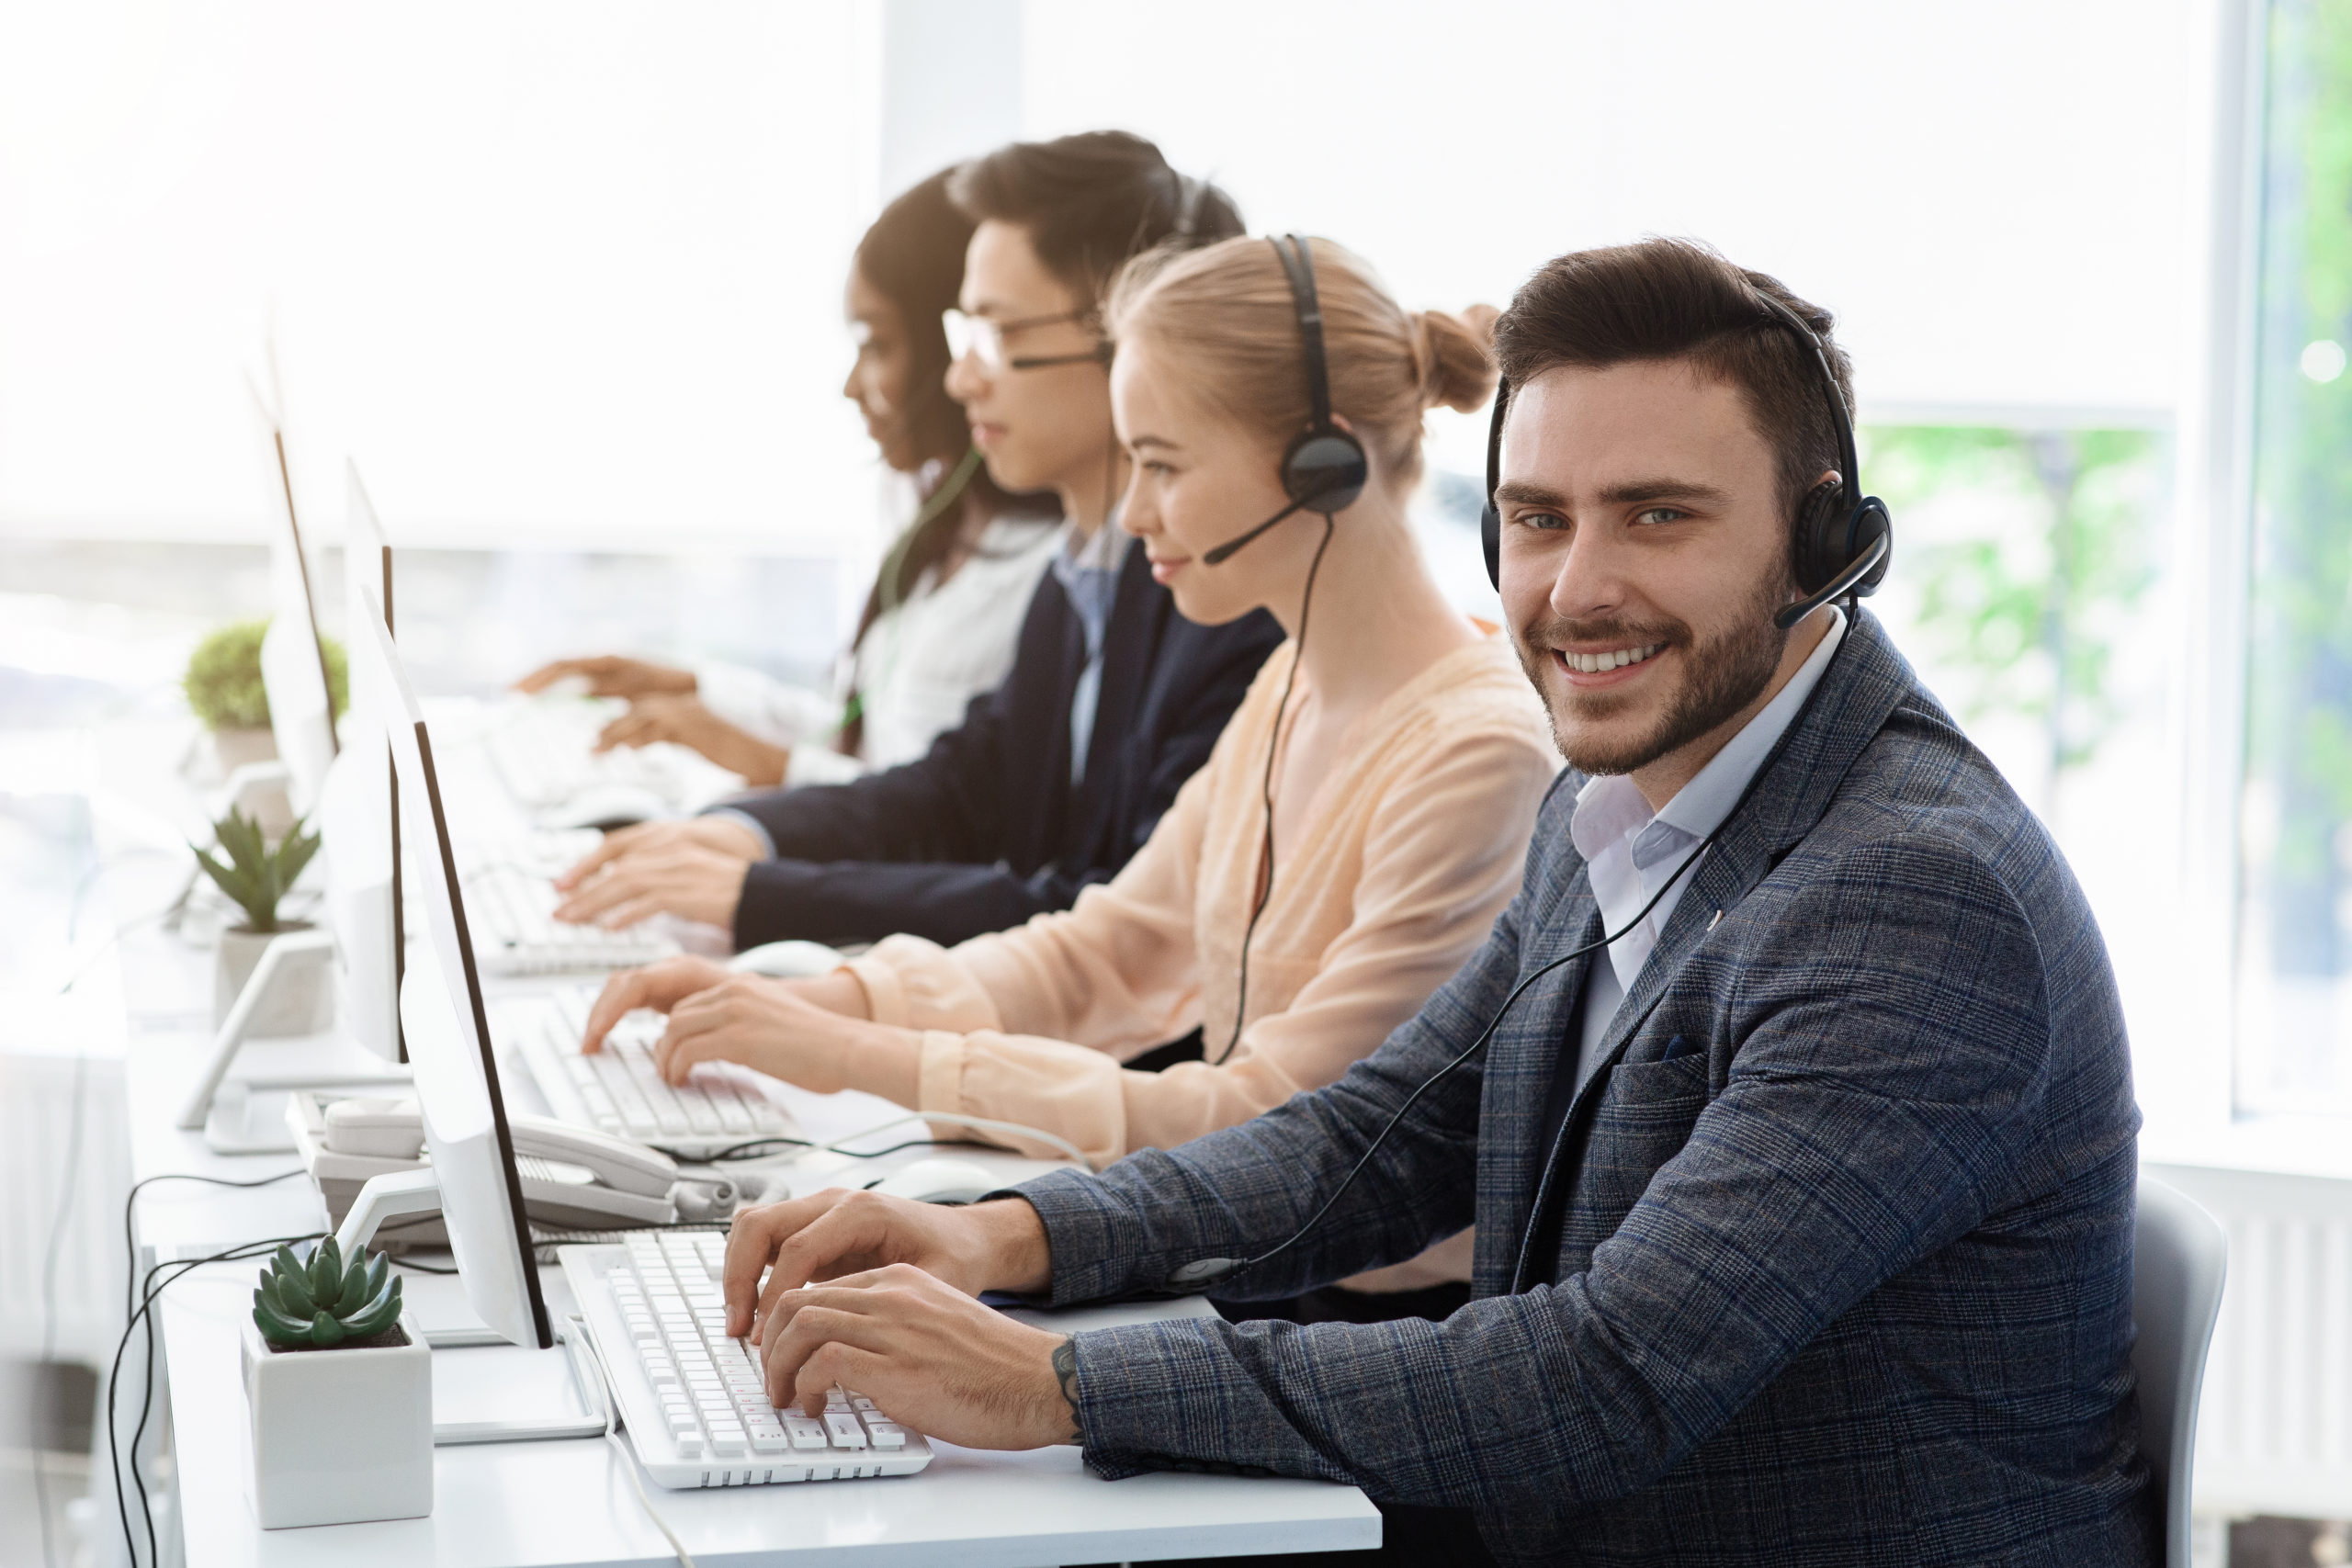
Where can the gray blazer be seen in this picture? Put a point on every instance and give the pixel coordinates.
(1844, 1246)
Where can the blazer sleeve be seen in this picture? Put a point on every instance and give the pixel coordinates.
(1868, 1120)
(1119, 971)
(913, 848)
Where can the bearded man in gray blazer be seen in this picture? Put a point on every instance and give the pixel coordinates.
(1802, 1163)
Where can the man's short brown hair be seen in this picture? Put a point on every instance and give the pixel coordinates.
(1682, 300)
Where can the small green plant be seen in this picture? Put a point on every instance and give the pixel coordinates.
(256, 876)
(319, 1302)
(223, 681)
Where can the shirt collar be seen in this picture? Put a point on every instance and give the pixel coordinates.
(1105, 549)
(1089, 572)
(1611, 807)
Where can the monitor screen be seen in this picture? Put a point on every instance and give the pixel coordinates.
(294, 667)
(448, 1033)
(358, 810)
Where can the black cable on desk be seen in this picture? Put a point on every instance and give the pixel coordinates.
(150, 1293)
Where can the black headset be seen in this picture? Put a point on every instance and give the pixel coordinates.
(1844, 539)
(1324, 468)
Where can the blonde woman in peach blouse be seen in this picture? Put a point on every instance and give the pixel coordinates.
(1407, 761)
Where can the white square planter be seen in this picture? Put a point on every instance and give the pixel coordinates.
(340, 1435)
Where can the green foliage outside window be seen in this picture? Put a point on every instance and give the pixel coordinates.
(2299, 692)
(1987, 607)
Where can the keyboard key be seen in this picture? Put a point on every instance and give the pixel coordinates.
(843, 1429)
(804, 1432)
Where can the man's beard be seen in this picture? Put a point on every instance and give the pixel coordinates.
(1721, 676)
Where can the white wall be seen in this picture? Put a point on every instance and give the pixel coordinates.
(571, 271)
(548, 270)
(1991, 197)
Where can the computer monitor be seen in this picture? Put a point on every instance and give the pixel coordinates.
(448, 1033)
(293, 660)
(358, 811)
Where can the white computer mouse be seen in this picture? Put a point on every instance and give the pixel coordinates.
(940, 1181)
(787, 960)
(604, 806)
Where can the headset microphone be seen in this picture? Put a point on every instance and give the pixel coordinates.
(1324, 468)
(1233, 546)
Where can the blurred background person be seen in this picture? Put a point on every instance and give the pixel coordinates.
(1054, 780)
(942, 619)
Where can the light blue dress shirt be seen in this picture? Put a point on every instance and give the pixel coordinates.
(1629, 850)
(1089, 574)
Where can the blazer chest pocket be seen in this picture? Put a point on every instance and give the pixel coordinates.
(1643, 1120)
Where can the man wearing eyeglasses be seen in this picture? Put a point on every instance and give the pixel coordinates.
(1054, 778)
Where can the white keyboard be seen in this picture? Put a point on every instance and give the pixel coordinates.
(510, 912)
(543, 754)
(618, 1089)
(694, 1401)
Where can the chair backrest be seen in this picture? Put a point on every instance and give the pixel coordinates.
(2179, 1254)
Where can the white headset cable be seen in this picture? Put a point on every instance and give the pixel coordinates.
(579, 1326)
(980, 1123)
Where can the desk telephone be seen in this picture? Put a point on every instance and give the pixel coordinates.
(573, 1178)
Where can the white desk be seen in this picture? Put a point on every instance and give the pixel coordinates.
(567, 1502)
(522, 1505)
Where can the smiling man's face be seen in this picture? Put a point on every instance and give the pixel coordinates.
(1645, 549)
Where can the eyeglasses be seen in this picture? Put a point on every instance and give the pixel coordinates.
(982, 337)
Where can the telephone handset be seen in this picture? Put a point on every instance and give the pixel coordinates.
(573, 1177)
(391, 1129)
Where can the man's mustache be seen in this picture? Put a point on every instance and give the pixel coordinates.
(1565, 628)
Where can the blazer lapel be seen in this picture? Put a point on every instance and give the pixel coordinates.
(1524, 1055)
(1864, 682)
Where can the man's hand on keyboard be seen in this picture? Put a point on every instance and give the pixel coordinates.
(998, 1246)
(927, 1354)
(692, 869)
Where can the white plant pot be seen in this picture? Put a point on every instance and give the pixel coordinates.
(301, 1002)
(340, 1435)
(236, 748)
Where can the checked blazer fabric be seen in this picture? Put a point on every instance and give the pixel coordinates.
(1841, 1268)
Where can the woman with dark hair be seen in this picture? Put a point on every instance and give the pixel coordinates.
(941, 621)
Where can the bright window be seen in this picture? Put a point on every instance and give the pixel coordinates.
(2295, 818)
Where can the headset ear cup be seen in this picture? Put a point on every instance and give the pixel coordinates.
(1490, 536)
(1327, 469)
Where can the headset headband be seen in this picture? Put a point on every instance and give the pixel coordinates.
(1300, 265)
(1848, 459)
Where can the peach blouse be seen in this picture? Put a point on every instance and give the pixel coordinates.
(1413, 845)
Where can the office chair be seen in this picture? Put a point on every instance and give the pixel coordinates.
(2179, 1254)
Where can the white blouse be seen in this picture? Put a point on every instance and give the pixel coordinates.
(918, 668)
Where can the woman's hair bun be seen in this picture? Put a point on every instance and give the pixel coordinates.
(1454, 357)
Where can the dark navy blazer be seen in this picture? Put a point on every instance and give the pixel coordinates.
(985, 830)
(1844, 1246)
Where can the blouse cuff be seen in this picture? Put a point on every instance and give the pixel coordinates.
(885, 998)
(939, 1080)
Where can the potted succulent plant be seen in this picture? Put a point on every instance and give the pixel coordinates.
(339, 1384)
(256, 877)
(225, 688)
